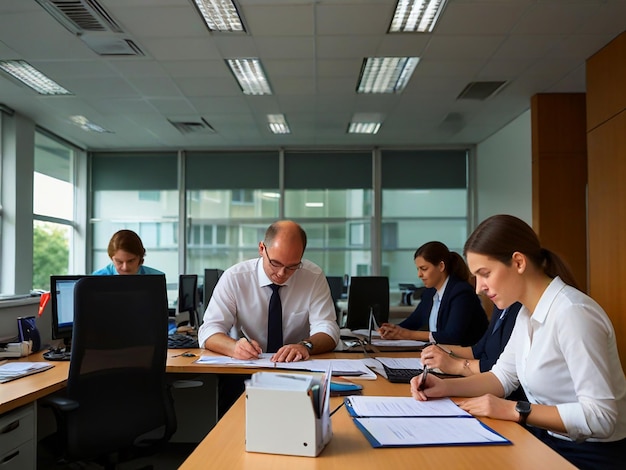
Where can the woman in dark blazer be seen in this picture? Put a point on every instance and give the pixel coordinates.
(460, 317)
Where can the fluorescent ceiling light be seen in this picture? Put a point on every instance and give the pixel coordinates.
(416, 16)
(86, 125)
(363, 127)
(30, 76)
(278, 124)
(250, 75)
(314, 204)
(386, 74)
(220, 15)
(271, 195)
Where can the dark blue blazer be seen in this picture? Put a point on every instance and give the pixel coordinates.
(491, 345)
(461, 320)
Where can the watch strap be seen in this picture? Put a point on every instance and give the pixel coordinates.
(307, 344)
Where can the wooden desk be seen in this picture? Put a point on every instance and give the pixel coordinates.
(224, 447)
(27, 389)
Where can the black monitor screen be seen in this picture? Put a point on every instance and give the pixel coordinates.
(62, 306)
(187, 297)
(211, 276)
(367, 293)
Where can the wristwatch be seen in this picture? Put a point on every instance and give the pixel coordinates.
(307, 344)
(523, 408)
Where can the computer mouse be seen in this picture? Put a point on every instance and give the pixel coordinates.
(188, 354)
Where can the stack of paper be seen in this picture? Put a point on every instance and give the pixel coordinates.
(15, 370)
(353, 368)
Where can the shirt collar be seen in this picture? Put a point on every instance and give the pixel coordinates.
(262, 277)
(546, 300)
(443, 288)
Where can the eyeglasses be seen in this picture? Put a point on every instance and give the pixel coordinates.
(277, 265)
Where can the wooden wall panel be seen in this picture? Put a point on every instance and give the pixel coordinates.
(606, 125)
(606, 79)
(559, 172)
(607, 222)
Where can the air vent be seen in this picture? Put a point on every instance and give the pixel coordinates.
(79, 16)
(111, 44)
(193, 127)
(480, 90)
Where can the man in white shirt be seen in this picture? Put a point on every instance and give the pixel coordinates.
(242, 295)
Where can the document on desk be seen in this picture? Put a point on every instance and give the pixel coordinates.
(401, 362)
(15, 370)
(412, 432)
(377, 340)
(393, 407)
(404, 421)
(353, 368)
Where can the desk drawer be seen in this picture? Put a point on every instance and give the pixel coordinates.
(16, 427)
(19, 459)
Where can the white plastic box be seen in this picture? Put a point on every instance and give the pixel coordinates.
(282, 420)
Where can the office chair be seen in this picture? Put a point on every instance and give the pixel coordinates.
(117, 405)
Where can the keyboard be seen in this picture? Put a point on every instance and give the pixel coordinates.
(182, 341)
(402, 376)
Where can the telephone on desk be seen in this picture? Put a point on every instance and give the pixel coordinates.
(57, 354)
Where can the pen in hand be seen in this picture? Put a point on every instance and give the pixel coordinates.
(422, 384)
(255, 347)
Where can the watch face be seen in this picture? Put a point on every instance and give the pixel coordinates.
(522, 407)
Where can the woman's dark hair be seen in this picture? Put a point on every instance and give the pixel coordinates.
(128, 241)
(500, 236)
(435, 252)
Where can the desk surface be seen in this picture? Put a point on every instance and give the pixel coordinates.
(225, 444)
(347, 449)
(27, 389)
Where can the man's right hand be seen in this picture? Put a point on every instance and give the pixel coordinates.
(245, 349)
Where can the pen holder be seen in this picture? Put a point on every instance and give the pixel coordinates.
(285, 422)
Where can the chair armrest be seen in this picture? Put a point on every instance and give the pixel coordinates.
(60, 403)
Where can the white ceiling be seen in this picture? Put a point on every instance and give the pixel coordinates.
(312, 51)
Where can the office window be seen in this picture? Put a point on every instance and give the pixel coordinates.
(53, 208)
(242, 196)
(330, 194)
(1, 161)
(137, 192)
(424, 198)
(231, 199)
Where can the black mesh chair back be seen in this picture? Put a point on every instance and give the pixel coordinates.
(117, 369)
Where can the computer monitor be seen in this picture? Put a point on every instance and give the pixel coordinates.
(188, 297)
(62, 307)
(336, 289)
(211, 276)
(367, 294)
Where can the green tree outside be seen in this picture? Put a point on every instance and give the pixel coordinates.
(51, 253)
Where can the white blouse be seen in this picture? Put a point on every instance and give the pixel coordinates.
(565, 354)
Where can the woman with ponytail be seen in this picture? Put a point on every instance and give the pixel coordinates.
(449, 311)
(562, 351)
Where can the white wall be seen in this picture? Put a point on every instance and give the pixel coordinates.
(504, 174)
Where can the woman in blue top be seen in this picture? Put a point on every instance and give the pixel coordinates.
(127, 253)
(449, 312)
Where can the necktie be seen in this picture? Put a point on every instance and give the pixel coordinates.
(499, 321)
(432, 320)
(275, 321)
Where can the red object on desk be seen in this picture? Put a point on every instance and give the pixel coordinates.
(43, 301)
